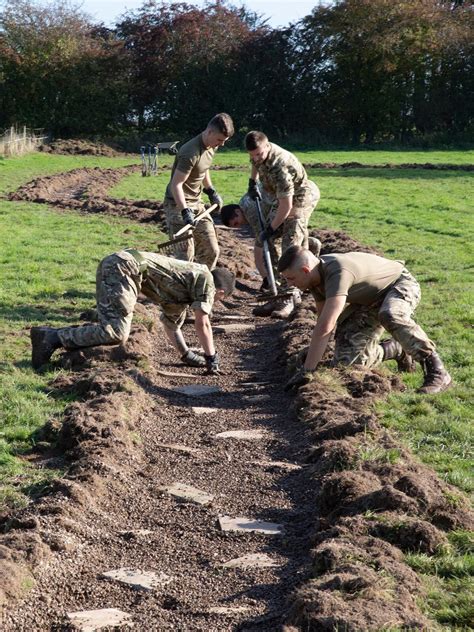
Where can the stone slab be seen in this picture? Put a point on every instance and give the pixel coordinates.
(202, 410)
(252, 560)
(91, 620)
(282, 465)
(228, 609)
(196, 390)
(255, 399)
(246, 435)
(233, 328)
(233, 317)
(178, 447)
(189, 493)
(136, 533)
(140, 580)
(248, 525)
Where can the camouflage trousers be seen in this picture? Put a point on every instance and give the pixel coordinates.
(116, 292)
(203, 247)
(358, 334)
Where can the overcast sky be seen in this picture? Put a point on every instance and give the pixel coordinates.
(279, 12)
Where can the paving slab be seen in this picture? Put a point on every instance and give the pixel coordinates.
(187, 492)
(252, 560)
(196, 390)
(246, 525)
(282, 465)
(202, 410)
(228, 609)
(178, 447)
(255, 399)
(233, 317)
(90, 620)
(246, 435)
(140, 580)
(233, 328)
(136, 533)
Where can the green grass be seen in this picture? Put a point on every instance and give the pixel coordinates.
(423, 217)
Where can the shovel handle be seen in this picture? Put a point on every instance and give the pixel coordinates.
(205, 213)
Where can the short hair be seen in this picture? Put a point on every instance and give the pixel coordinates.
(228, 212)
(254, 139)
(292, 256)
(224, 280)
(222, 123)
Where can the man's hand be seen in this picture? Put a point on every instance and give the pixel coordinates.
(253, 191)
(212, 364)
(191, 358)
(214, 197)
(300, 378)
(188, 216)
(266, 234)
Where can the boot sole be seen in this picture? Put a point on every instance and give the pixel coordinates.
(37, 354)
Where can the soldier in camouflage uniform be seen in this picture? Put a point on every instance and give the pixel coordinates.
(189, 176)
(360, 295)
(172, 284)
(282, 176)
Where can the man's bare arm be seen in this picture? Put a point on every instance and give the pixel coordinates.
(202, 324)
(284, 209)
(328, 313)
(207, 183)
(177, 181)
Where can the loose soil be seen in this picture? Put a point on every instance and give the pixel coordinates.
(79, 147)
(348, 513)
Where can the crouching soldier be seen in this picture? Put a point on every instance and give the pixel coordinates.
(172, 284)
(359, 295)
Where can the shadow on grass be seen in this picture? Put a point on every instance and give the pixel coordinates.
(390, 174)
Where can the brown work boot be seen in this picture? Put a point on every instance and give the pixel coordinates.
(266, 309)
(393, 350)
(284, 307)
(437, 379)
(44, 341)
(314, 246)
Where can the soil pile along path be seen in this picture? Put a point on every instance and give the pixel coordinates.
(79, 147)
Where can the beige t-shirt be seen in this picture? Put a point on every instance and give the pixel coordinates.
(360, 276)
(193, 159)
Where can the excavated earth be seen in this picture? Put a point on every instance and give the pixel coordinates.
(349, 499)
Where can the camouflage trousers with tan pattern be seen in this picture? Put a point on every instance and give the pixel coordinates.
(203, 247)
(116, 293)
(358, 334)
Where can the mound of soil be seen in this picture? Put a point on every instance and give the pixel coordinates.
(79, 147)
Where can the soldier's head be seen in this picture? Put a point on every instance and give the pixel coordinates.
(256, 143)
(219, 129)
(232, 216)
(296, 265)
(224, 281)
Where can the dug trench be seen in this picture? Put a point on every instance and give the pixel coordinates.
(342, 514)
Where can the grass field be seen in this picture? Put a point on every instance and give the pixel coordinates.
(424, 217)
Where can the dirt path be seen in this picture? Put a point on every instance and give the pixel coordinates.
(183, 539)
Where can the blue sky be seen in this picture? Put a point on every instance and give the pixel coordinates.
(279, 12)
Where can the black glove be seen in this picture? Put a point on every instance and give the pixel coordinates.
(266, 234)
(300, 378)
(188, 216)
(253, 191)
(191, 358)
(214, 197)
(212, 364)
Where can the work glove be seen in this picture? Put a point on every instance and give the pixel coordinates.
(266, 234)
(253, 191)
(214, 197)
(300, 378)
(191, 358)
(188, 216)
(212, 364)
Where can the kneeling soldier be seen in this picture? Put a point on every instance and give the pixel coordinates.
(170, 283)
(359, 295)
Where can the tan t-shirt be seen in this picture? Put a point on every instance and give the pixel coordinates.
(360, 276)
(194, 160)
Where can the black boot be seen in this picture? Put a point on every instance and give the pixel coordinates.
(44, 340)
(393, 350)
(437, 379)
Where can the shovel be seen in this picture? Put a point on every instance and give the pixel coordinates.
(266, 254)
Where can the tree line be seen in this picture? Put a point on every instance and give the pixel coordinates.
(354, 71)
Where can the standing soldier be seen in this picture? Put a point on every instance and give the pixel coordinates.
(358, 295)
(172, 284)
(189, 176)
(282, 176)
